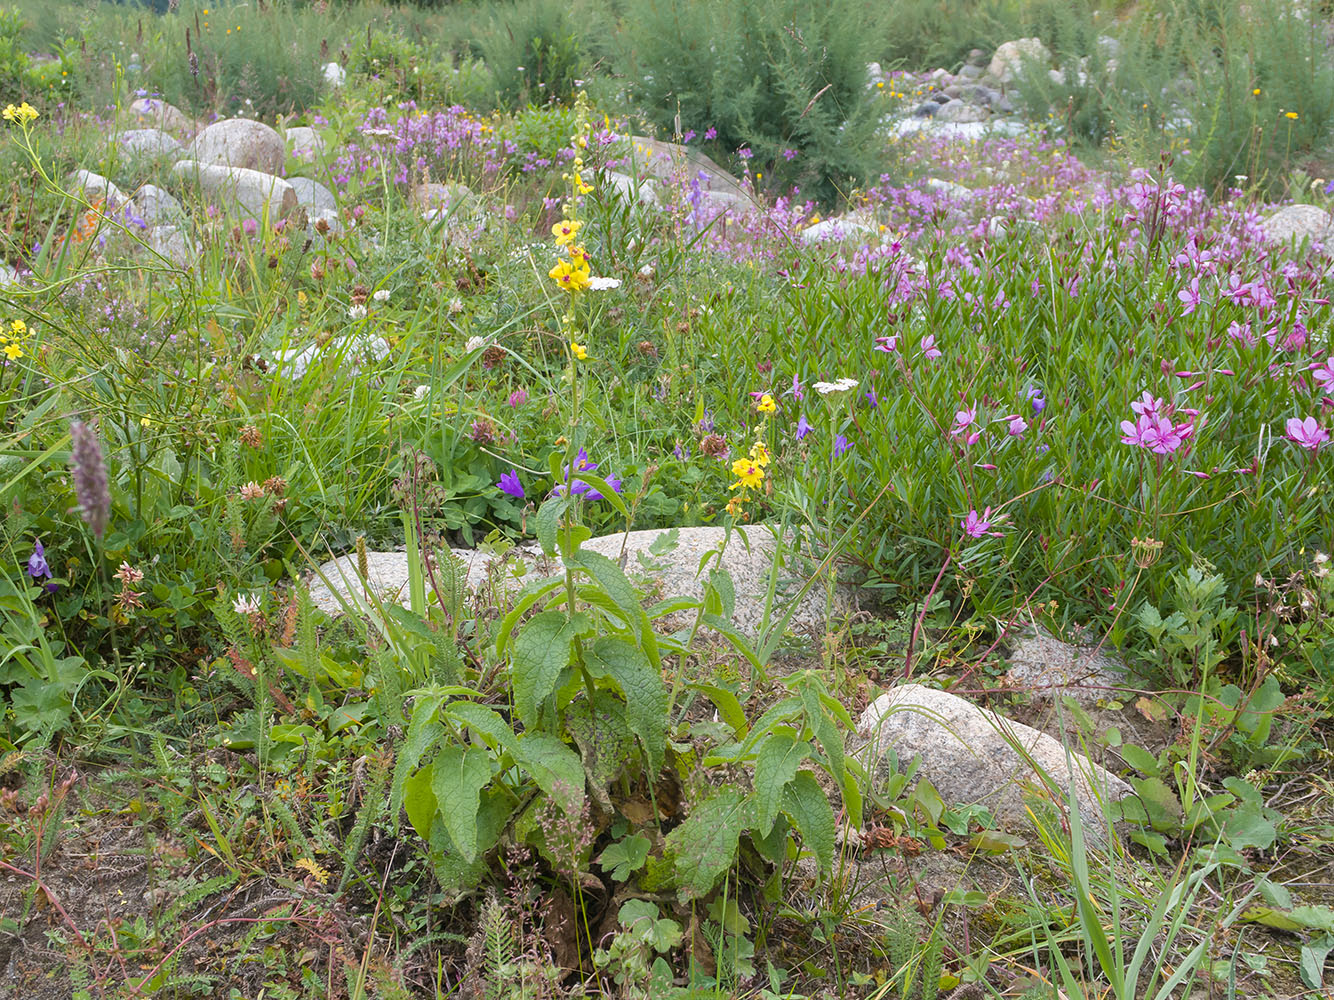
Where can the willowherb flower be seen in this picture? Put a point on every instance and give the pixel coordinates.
(89, 472)
(1016, 425)
(979, 525)
(929, 347)
(1324, 373)
(1306, 433)
(1034, 396)
(889, 345)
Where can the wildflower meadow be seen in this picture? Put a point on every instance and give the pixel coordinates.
(667, 499)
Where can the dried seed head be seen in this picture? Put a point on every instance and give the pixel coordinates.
(90, 477)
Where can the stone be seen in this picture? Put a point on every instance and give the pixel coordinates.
(1050, 669)
(1008, 62)
(248, 193)
(960, 112)
(625, 187)
(305, 143)
(927, 109)
(149, 142)
(1299, 222)
(240, 142)
(334, 75)
(971, 72)
(94, 186)
(436, 199)
(669, 161)
(969, 755)
(954, 92)
(976, 57)
(174, 244)
(950, 189)
(313, 194)
(8, 276)
(350, 352)
(671, 573)
(156, 206)
(151, 112)
(834, 230)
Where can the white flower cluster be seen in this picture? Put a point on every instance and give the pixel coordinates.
(835, 388)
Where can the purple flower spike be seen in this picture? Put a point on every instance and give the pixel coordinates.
(841, 444)
(803, 427)
(38, 568)
(509, 483)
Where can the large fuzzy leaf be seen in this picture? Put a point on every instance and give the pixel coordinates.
(555, 767)
(705, 845)
(646, 696)
(775, 765)
(457, 779)
(808, 807)
(541, 652)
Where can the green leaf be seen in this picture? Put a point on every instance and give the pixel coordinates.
(547, 522)
(457, 779)
(779, 757)
(1141, 760)
(624, 857)
(808, 808)
(40, 707)
(423, 733)
(729, 707)
(419, 801)
(541, 652)
(1160, 803)
(555, 767)
(613, 581)
(525, 599)
(1313, 961)
(646, 696)
(705, 845)
(484, 721)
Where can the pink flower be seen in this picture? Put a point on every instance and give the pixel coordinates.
(1306, 433)
(1017, 425)
(929, 346)
(1190, 296)
(1324, 373)
(979, 526)
(887, 344)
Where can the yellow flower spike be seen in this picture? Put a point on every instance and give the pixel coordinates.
(579, 351)
(570, 277)
(565, 232)
(766, 404)
(759, 454)
(22, 115)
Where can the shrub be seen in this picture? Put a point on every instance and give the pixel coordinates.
(786, 80)
(534, 49)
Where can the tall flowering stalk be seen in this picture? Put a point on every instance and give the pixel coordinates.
(89, 472)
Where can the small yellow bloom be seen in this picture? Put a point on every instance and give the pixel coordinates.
(569, 276)
(13, 351)
(766, 404)
(748, 473)
(881, 84)
(579, 351)
(1255, 92)
(24, 114)
(18, 328)
(759, 454)
(1291, 114)
(565, 232)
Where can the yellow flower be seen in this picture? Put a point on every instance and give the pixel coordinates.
(579, 351)
(18, 328)
(759, 454)
(748, 473)
(570, 276)
(22, 115)
(578, 256)
(766, 404)
(312, 867)
(1291, 114)
(565, 232)
(1255, 92)
(13, 351)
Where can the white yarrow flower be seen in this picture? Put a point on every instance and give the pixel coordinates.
(382, 295)
(603, 284)
(356, 312)
(835, 388)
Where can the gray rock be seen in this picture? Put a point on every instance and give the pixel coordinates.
(969, 755)
(960, 112)
(94, 186)
(174, 244)
(668, 161)
(954, 92)
(971, 72)
(244, 192)
(313, 194)
(1297, 223)
(305, 143)
(240, 142)
(149, 142)
(157, 207)
(1050, 669)
(927, 109)
(672, 574)
(1008, 62)
(625, 187)
(976, 57)
(950, 189)
(940, 97)
(150, 112)
(834, 230)
(334, 75)
(8, 276)
(454, 200)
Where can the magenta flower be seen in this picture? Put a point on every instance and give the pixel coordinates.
(979, 525)
(963, 419)
(1306, 433)
(889, 345)
(789, 155)
(710, 133)
(1155, 433)
(1190, 296)
(509, 483)
(796, 392)
(929, 346)
(518, 397)
(1017, 425)
(1324, 373)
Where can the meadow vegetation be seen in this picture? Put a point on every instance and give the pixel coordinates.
(1062, 378)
